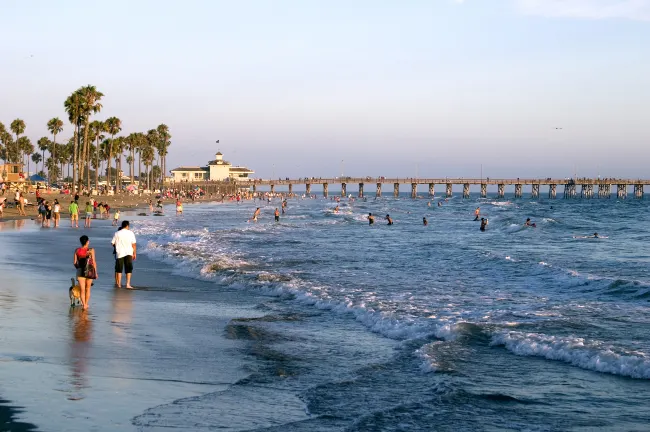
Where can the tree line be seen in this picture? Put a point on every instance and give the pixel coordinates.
(94, 144)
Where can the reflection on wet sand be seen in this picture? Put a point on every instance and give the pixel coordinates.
(122, 310)
(7, 299)
(81, 327)
(12, 225)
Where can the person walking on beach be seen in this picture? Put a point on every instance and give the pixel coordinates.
(116, 217)
(89, 214)
(125, 254)
(21, 205)
(74, 214)
(179, 207)
(86, 265)
(56, 211)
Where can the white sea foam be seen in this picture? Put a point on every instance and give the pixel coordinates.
(591, 355)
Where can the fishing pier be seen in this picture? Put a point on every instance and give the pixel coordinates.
(572, 188)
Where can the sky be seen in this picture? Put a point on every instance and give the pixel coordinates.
(294, 88)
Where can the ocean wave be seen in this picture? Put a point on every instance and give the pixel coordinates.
(585, 354)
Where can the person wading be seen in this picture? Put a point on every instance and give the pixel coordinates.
(125, 250)
(84, 262)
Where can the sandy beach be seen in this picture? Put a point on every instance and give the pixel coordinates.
(123, 202)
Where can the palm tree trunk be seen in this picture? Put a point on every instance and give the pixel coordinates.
(97, 165)
(75, 150)
(53, 154)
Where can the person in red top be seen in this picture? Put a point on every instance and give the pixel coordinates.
(81, 262)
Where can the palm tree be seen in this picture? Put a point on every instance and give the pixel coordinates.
(27, 148)
(113, 127)
(90, 97)
(153, 142)
(131, 145)
(165, 137)
(36, 158)
(73, 106)
(44, 144)
(18, 127)
(52, 167)
(55, 126)
(118, 146)
(97, 128)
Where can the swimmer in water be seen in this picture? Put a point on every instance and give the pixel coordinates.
(336, 209)
(390, 221)
(596, 235)
(477, 213)
(529, 223)
(256, 214)
(439, 203)
(371, 219)
(425, 222)
(484, 223)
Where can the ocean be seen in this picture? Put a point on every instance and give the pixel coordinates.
(438, 327)
(321, 322)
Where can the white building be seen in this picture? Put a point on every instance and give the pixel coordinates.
(217, 170)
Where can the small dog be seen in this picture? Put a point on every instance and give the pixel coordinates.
(75, 293)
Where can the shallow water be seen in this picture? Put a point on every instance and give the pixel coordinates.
(407, 327)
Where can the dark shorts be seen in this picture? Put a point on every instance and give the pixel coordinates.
(124, 264)
(277, 218)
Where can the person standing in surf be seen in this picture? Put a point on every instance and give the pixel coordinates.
(125, 254)
(277, 214)
(86, 265)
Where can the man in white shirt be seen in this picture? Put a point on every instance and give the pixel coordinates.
(125, 253)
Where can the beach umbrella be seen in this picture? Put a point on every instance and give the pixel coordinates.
(36, 178)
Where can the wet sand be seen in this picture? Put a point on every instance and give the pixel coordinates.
(131, 352)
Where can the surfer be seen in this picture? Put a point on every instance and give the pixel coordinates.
(484, 223)
(390, 221)
(371, 219)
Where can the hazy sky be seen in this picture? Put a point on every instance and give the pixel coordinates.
(291, 88)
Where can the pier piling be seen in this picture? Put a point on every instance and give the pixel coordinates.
(518, 191)
(569, 190)
(483, 190)
(638, 191)
(272, 188)
(448, 190)
(414, 190)
(344, 191)
(466, 190)
(396, 190)
(501, 190)
(360, 190)
(432, 192)
(326, 191)
(378, 194)
(552, 191)
(604, 190)
(308, 189)
(535, 192)
(290, 189)
(621, 191)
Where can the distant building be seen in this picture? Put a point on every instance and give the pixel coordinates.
(216, 170)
